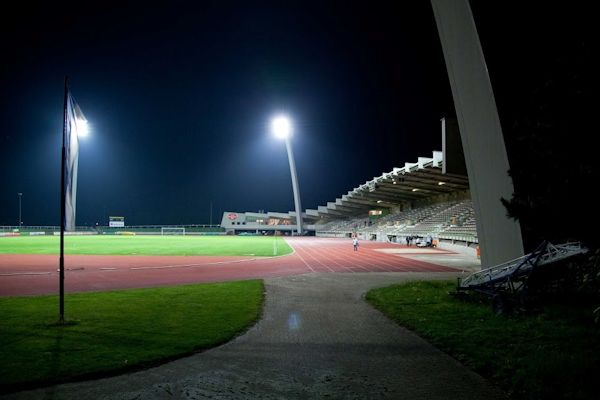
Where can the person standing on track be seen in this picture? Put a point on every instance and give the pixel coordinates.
(355, 243)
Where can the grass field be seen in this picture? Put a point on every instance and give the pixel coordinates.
(554, 354)
(111, 332)
(149, 245)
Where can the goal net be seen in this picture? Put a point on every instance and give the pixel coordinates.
(172, 231)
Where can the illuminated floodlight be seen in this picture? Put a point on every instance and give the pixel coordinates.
(83, 129)
(281, 127)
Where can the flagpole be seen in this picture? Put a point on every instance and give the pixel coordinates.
(62, 209)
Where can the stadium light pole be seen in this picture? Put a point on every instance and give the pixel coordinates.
(74, 126)
(20, 220)
(281, 127)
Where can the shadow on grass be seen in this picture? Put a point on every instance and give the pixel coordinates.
(550, 354)
(164, 325)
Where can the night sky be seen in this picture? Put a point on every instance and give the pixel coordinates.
(179, 97)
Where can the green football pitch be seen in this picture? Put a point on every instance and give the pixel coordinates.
(149, 245)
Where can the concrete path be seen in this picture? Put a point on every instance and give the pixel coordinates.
(317, 339)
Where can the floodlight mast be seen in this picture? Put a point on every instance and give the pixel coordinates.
(20, 220)
(282, 128)
(288, 146)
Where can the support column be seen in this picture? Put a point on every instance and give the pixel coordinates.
(481, 134)
(297, 203)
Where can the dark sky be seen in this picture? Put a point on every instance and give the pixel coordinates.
(179, 97)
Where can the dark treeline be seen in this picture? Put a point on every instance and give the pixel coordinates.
(540, 65)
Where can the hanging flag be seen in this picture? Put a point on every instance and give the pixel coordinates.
(75, 126)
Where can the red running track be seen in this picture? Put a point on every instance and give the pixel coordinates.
(37, 274)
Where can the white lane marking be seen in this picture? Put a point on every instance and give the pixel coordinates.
(195, 265)
(305, 263)
(25, 273)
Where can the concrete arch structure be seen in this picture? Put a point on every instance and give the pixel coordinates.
(481, 133)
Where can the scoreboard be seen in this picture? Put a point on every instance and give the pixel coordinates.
(116, 222)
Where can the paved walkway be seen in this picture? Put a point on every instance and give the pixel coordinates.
(317, 339)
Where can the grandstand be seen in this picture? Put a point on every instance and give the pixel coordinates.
(452, 221)
(417, 200)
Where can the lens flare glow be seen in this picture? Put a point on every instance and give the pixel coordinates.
(281, 127)
(83, 129)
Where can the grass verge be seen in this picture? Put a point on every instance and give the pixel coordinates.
(551, 355)
(111, 332)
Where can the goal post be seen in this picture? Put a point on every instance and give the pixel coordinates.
(168, 230)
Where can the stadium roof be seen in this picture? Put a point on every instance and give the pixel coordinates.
(413, 182)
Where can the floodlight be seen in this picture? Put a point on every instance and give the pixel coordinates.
(82, 128)
(281, 127)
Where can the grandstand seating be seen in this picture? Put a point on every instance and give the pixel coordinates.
(453, 220)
